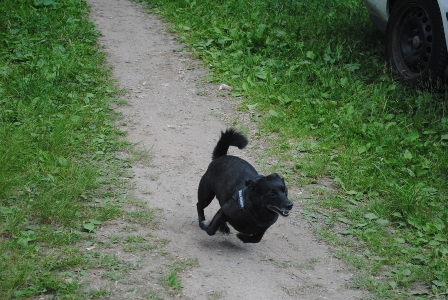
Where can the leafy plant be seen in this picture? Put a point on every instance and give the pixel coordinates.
(90, 225)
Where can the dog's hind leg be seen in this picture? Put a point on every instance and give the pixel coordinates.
(201, 215)
(224, 228)
(254, 238)
(205, 197)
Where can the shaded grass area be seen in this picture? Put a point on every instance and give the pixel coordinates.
(59, 165)
(314, 73)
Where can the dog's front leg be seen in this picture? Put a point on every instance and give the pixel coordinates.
(215, 224)
(254, 238)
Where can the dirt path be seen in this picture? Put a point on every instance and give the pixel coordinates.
(178, 118)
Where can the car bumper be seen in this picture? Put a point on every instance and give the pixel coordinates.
(443, 4)
(379, 13)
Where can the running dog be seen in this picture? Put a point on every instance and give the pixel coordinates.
(249, 202)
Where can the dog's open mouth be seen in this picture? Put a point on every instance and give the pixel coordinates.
(281, 212)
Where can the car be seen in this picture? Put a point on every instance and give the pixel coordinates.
(417, 37)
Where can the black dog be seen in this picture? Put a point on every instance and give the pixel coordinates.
(250, 202)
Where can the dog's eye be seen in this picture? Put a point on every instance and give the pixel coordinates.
(273, 195)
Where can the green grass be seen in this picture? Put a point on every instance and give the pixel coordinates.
(312, 72)
(58, 159)
(63, 174)
(171, 279)
(315, 74)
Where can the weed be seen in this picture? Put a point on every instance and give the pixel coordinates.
(94, 294)
(143, 157)
(154, 296)
(216, 295)
(171, 279)
(140, 216)
(134, 243)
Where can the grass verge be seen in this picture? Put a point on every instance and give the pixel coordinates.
(62, 172)
(314, 73)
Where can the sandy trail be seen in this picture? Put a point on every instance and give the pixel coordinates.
(177, 117)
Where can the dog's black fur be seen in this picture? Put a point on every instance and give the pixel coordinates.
(250, 202)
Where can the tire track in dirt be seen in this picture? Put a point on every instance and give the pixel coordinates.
(178, 118)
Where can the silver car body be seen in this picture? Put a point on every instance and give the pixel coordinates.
(379, 14)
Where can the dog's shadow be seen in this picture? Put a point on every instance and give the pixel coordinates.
(223, 245)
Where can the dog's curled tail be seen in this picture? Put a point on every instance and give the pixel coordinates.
(229, 138)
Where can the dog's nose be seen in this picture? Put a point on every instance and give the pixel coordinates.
(289, 206)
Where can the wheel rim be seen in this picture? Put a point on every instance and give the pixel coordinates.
(415, 38)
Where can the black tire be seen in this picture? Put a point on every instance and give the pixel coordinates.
(416, 46)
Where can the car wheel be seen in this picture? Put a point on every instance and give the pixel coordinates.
(416, 44)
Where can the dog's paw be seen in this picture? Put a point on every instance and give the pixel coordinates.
(224, 229)
(203, 225)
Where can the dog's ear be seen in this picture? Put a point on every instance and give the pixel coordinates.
(275, 175)
(251, 183)
(284, 184)
(278, 176)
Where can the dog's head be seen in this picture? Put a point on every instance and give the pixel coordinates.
(271, 192)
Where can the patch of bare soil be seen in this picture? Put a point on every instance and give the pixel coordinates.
(177, 117)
